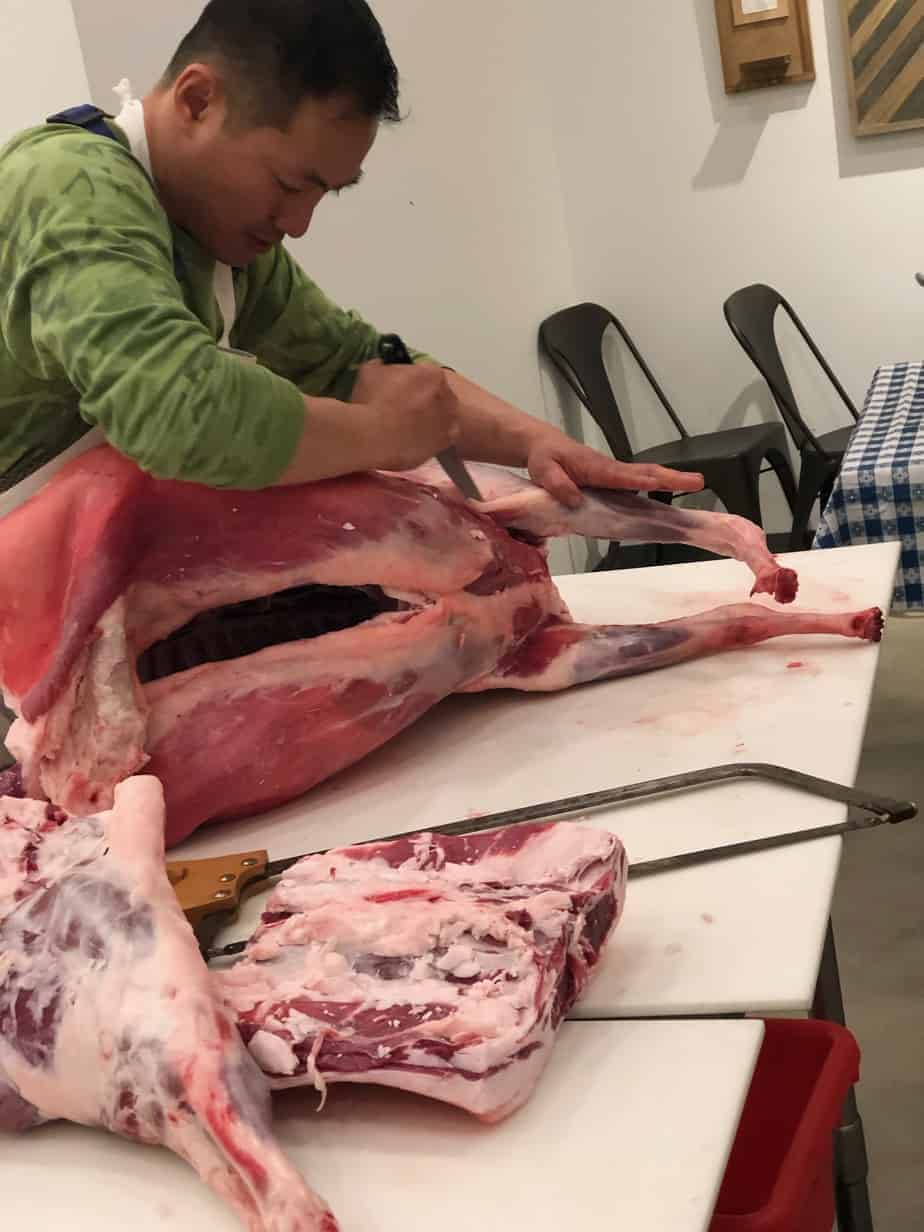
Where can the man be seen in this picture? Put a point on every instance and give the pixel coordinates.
(140, 259)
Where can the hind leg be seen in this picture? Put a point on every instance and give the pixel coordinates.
(561, 655)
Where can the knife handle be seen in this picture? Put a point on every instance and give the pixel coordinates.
(215, 887)
(393, 351)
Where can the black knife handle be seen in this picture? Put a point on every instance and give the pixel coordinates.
(393, 351)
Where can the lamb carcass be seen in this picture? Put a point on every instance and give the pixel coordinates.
(113, 658)
(434, 964)
(108, 1016)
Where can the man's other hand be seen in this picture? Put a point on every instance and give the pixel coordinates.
(563, 466)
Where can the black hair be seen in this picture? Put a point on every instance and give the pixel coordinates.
(276, 53)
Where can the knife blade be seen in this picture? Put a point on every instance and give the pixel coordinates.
(393, 351)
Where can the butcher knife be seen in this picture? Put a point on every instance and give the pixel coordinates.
(393, 351)
(210, 890)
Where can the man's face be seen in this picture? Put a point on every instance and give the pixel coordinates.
(239, 192)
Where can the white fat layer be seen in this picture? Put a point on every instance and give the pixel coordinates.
(393, 944)
(93, 736)
(489, 1100)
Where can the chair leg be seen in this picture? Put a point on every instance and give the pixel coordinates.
(782, 468)
(810, 478)
(610, 560)
(7, 718)
(824, 492)
(739, 490)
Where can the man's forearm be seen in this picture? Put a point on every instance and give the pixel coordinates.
(493, 430)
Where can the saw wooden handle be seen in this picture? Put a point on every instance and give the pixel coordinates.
(214, 887)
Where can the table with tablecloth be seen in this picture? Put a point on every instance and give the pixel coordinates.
(878, 496)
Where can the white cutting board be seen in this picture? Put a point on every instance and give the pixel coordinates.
(741, 935)
(629, 1128)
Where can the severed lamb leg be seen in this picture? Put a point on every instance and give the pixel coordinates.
(107, 1013)
(564, 654)
(435, 964)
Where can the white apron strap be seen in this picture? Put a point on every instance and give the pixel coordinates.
(131, 121)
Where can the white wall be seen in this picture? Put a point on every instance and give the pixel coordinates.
(41, 67)
(677, 194)
(456, 238)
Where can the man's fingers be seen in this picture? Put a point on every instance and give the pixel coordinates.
(555, 479)
(564, 476)
(663, 479)
(642, 477)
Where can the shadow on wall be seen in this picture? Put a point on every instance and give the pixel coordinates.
(740, 119)
(875, 155)
(753, 405)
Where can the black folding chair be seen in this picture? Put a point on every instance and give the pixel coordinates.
(730, 461)
(750, 314)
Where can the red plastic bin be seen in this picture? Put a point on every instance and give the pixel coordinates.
(780, 1172)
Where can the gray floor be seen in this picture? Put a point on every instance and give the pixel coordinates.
(879, 926)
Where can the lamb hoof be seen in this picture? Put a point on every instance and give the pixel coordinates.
(869, 624)
(783, 584)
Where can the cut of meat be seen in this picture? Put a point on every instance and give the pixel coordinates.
(107, 1013)
(440, 965)
(112, 659)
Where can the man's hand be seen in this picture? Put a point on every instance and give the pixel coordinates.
(563, 466)
(415, 411)
(496, 431)
(401, 415)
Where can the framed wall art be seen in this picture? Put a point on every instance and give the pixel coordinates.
(885, 64)
(764, 43)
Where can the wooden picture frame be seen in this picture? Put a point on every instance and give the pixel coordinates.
(884, 47)
(772, 47)
(746, 12)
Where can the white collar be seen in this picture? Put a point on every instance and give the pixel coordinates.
(131, 120)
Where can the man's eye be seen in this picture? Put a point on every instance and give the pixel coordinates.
(286, 187)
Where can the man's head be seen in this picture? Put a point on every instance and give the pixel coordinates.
(266, 106)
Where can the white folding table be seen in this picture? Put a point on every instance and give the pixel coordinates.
(604, 1143)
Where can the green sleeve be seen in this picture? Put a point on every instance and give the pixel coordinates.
(293, 328)
(89, 297)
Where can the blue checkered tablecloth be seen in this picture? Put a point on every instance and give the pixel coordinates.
(879, 494)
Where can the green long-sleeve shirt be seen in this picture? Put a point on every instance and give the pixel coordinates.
(108, 317)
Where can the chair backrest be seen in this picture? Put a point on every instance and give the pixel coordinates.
(750, 314)
(573, 340)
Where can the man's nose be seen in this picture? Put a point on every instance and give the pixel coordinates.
(294, 219)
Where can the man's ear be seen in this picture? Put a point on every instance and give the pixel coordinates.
(199, 96)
